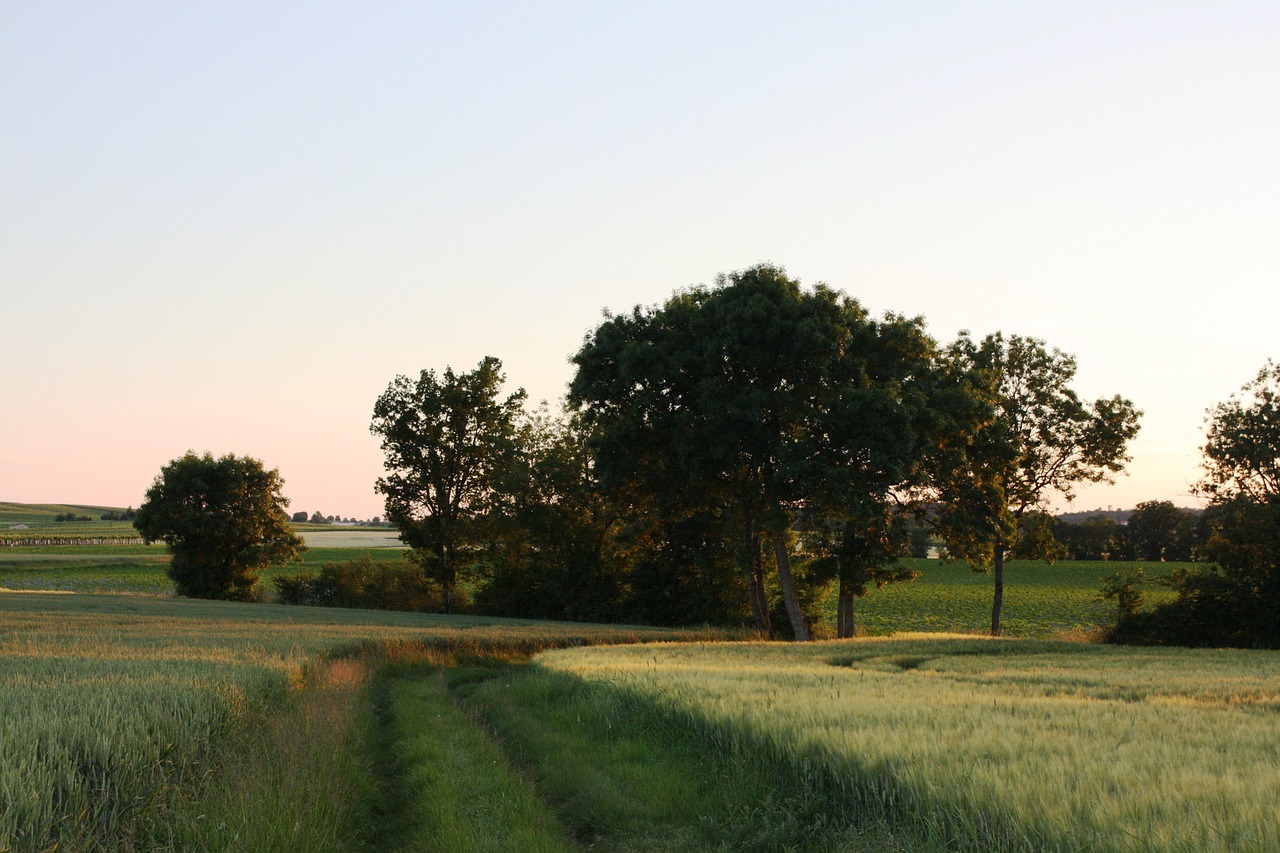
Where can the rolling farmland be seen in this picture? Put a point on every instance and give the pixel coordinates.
(143, 720)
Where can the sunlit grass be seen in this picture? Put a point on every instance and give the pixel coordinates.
(107, 701)
(994, 744)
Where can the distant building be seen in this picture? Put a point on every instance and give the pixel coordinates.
(18, 527)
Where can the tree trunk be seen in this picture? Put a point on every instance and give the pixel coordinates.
(789, 588)
(844, 609)
(755, 583)
(447, 576)
(997, 601)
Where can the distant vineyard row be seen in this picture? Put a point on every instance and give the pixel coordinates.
(26, 540)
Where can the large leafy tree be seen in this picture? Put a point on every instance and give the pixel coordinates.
(1234, 601)
(1021, 436)
(224, 521)
(865, 446)
(1242, 445)
(1241, 596)
(754, 395)
(448, 440)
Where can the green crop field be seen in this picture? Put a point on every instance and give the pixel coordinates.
(1040, 599)
(136, 722)
(987, 744)
(144, 721)
(140, 569)
(108, 700)
(16, 513)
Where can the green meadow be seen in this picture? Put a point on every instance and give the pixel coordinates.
(1041, 599)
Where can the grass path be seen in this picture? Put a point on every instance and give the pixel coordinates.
(446, 786)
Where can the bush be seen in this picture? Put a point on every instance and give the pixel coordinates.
(384, 585)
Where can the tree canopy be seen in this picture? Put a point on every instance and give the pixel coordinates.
(224, 521)
(759, 396)
(447, 441)
(1236, 600)
(1021, 435)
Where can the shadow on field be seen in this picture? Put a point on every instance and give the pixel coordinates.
(624, 772)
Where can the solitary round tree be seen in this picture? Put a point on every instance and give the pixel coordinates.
(224, 521)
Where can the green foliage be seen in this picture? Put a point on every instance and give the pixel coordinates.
(1125, 589)
(383, 585)
(224, 522)
(1233, 602)
(1158, 530)
(687, 572)
(1236, 601)
(448, 441)
(1242, 447)
(1021, 434)
(551, 552)
(1097, 537)
(758, 397)
(1037, 539)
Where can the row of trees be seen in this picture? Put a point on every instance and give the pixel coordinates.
(1154, 530)
(744, 441)
(725, 454)
(317, 517)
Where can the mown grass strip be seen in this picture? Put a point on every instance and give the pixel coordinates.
(450, 787)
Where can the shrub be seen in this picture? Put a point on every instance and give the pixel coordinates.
(383, 585)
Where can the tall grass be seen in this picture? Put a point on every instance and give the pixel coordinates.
(292, 776)
(107, 703)
(992, 745)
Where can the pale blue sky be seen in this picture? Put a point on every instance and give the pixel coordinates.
(227, 226)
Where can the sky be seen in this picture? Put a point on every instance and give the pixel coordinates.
(228, 226)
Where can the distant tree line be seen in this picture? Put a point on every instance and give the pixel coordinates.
(1156, 531)
(110, 515)
(317, 517)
